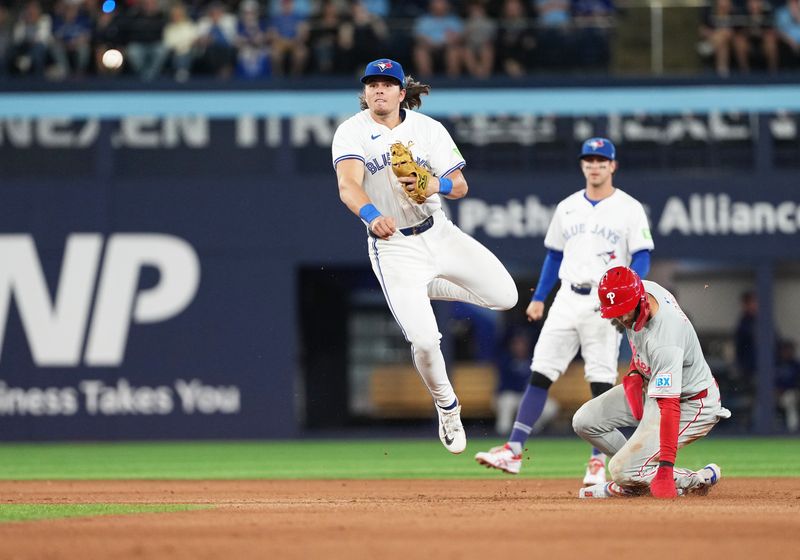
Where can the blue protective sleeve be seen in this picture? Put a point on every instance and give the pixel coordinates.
(549, 275)
(640, 262)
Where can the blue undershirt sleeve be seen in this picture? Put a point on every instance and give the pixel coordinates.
(640, 262)
(548, 276)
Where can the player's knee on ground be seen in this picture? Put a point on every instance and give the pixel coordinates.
(619, 468)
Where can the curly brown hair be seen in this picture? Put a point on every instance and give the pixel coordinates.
(414, 92)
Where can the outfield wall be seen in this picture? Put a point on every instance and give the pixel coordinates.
(148, 285)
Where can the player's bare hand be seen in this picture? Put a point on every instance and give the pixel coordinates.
(383, 226)
(535, 310)
(409, 183)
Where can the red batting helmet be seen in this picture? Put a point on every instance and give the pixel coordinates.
(620, 292)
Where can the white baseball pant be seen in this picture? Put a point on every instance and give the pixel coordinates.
(574, 322)
(441, 263)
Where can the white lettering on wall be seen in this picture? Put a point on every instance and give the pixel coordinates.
(56, 327)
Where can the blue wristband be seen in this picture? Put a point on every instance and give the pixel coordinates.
(368, 213)
(445, 185)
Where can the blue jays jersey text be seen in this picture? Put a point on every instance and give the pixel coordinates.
(378, 163)
(608, 234)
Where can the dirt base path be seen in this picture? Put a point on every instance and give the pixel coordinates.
(403, 519)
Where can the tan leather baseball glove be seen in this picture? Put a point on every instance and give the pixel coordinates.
(403, 165)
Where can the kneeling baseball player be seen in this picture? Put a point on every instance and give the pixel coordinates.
(669, 394)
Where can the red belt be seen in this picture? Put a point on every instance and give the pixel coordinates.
(701, 395)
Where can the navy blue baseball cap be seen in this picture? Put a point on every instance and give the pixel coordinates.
(384, 67)
(602, 147)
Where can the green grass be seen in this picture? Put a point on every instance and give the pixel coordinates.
(32, 512)
(549, 458)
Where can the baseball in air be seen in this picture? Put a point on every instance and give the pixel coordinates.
(112, 59)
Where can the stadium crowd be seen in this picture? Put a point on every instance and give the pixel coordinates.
(753, 33)
(61, 39)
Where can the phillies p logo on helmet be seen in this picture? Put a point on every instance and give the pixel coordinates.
(623, 284)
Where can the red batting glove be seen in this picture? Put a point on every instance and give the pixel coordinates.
(632, 384)
(663, 485)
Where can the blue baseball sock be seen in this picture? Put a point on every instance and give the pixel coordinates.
(530, 409)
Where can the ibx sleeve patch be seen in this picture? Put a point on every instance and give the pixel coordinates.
(663, 380)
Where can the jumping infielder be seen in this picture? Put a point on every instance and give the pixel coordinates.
(681, 400)
(417, 254)
(592, 230)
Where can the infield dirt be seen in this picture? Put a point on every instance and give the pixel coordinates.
(387, 519)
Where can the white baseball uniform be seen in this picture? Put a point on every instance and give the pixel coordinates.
(593, 238)
(668, 354)
(434, 261)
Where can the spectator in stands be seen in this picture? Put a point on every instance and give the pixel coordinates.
(553, 33)
(787, 382)
(438, 40)
(363, 37)
(480, 32)
(253, 57)
(516, 40)
(741, 385)
(745, 338)
(72, 32)
(289, 38)
(594, 22)
(32, 37)
(144, 28)
(716, 34)
(180, 35)
(216, 41)
(756, 37)
(324, 38)
(787, 22)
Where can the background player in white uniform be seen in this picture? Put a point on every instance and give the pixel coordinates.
(592, 230)
(681, 401)
(417, 254)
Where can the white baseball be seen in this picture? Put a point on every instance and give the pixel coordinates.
(112, 59)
